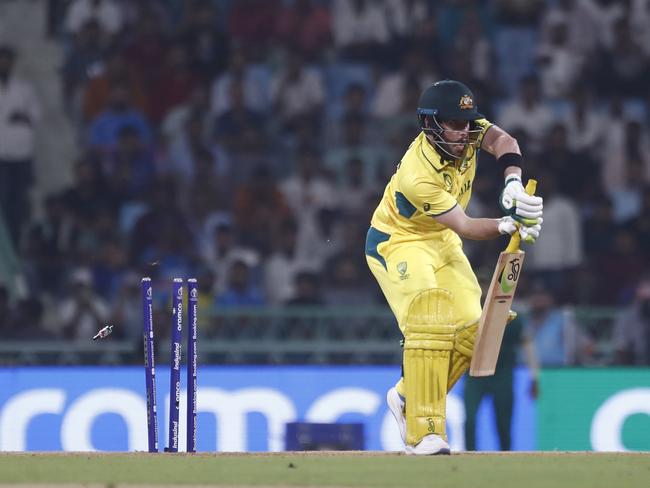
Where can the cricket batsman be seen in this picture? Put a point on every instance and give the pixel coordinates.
(414, 250)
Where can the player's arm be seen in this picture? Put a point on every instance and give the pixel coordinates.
(513, 200)
(499, 143)
(477, 229)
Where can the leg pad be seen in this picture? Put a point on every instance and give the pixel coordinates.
(429, 340)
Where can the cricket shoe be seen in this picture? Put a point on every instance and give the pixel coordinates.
(396, 406)
(430, 445)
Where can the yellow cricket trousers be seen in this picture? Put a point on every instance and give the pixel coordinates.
(404, 269)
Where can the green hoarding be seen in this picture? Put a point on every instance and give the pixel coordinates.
(594, 409)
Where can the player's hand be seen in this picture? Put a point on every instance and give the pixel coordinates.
(520, 205)
(507, 225)
(528, 233)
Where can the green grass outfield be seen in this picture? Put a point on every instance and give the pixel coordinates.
(330, 469)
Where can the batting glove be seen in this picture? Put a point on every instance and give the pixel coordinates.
(523, 207)
(528, 233)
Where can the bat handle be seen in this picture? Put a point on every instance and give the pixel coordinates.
(515, 239)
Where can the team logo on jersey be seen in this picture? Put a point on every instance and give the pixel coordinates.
(449, 181)
(401, 269)
(426, 207)
(466, 102)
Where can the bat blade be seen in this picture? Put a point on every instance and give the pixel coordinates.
(494, 315)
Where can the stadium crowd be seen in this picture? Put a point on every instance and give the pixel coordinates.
(247, 142)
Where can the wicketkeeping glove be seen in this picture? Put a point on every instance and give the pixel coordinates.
(514, 201)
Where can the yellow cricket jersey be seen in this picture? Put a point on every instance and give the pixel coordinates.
(423, 187)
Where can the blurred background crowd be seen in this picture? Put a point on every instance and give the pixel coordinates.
(247, 143)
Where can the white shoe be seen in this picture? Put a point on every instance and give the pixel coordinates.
(430, 445)
(396, 406)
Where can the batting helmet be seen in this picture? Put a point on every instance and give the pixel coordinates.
(447, 100)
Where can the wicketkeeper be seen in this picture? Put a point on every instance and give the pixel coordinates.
(414, 250)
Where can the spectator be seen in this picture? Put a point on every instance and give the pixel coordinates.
(560, 65)
(626, 164)
(259, 206)
(389, 99)
(623, 266)
(105, 12)
(49, 246)
(105, 130)
(578, 170)
(109, 268)
(598, 226)
(83, 313)
(585, 124)
(284, 264)
(206, 46)
(347, 283)
(240, 129)
(297, 93)
(305, 25)
(91, 236)
(224, 251)
(528, 113)
(20, 113)
(355, 145)
(99, 90)
(402, 16)
(197, 106)
(583, 34)
(307, 290)
(623, 67)
(612, 152)
(402, 128)
(174, 85)
(516, 38)
(251, 24)
(354, 192)
(472, 41)
(627, 198)
(557, 338)
(360, 29)
(85, 56)
(632, 329)
(209, 199)
(253, 81)
(161, 221)
(145, 51)
(560, 245)
(240, 291)
(126, 309)
(307, 191)
(88, 193)
(129, 167)
(187, 146)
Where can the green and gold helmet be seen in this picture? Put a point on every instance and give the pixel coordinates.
(447, 100)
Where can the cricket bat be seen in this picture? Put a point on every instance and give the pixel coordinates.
(498, 301)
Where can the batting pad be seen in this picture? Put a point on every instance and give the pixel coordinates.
(429, 340)
(461, 357)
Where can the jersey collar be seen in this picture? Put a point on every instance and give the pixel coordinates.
(430, 155)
